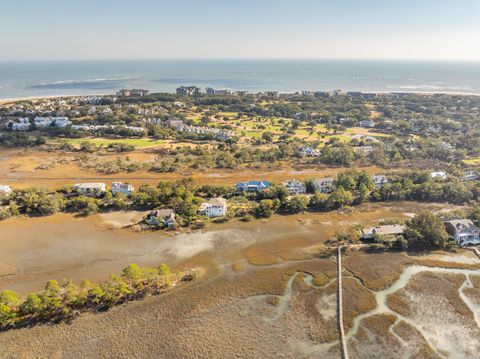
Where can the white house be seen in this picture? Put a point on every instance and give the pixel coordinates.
(295, 187)
(119, 187)
(61, 121)
(379, 180)
(42, 122)
(440, 175)
(90, 189)
(463, 231)
(387, 230)
(216, 207)
(23, 124)
(309, 152)
(5, 190)
(324, 185)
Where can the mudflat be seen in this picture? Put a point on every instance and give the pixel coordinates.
(263, 292)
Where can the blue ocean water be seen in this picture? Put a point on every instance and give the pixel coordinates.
(44, 78)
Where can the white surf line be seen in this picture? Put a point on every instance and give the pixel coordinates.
(407, 274)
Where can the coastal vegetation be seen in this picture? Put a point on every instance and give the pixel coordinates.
(64, 301)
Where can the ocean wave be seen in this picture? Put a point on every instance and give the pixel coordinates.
(91, 84)
(229, 82)
(429, 87)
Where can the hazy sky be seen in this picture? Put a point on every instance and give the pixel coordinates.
(87, 29)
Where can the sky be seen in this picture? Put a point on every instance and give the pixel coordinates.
(327, 29)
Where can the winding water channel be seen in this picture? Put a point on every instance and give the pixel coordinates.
(440, 348)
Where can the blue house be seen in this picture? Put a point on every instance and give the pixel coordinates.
(253, 186)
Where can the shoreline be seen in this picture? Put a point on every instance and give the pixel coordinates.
(4, 101)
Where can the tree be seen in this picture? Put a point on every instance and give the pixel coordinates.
(339, 199)
(265, 208)
(297, 204)
(348, 235)
(426, 231)
(267, 137)
(318, 202)
(474, 215)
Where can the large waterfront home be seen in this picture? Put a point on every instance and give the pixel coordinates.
(90, 189)
(253, 186)
(295, 187)
(216, 207)
(119, 187)
(463, 231)
(324, 185)
(387, 230)
(164, 216)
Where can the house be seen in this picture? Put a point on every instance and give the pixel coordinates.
(119, 187)
(324, 185)
(367, 123)
(90, 189)
(23, 124)
(164, 216)
(470, 176)
(379, 180)
(440, 175)
(42, 122)
(175, 122)
(295, 187)
(309, 152)
(216, 207)
(387, 230)
(463, 231)
(61, 121)
(5, 190)
(252, 186)
(188, 90)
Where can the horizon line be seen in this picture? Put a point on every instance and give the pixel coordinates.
(242, 59)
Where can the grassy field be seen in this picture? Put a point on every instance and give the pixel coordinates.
(137, 142)
(472, 161)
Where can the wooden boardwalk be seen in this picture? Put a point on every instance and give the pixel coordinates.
(343, 340)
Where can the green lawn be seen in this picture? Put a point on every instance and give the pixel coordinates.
(137, 142)
(472, 161)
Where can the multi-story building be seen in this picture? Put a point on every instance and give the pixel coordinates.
(119, 187)
(463, 231)
(324, 185)
(90, 189)
(295, 187)
(379, 180)
(188, 90)
(253, 186)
